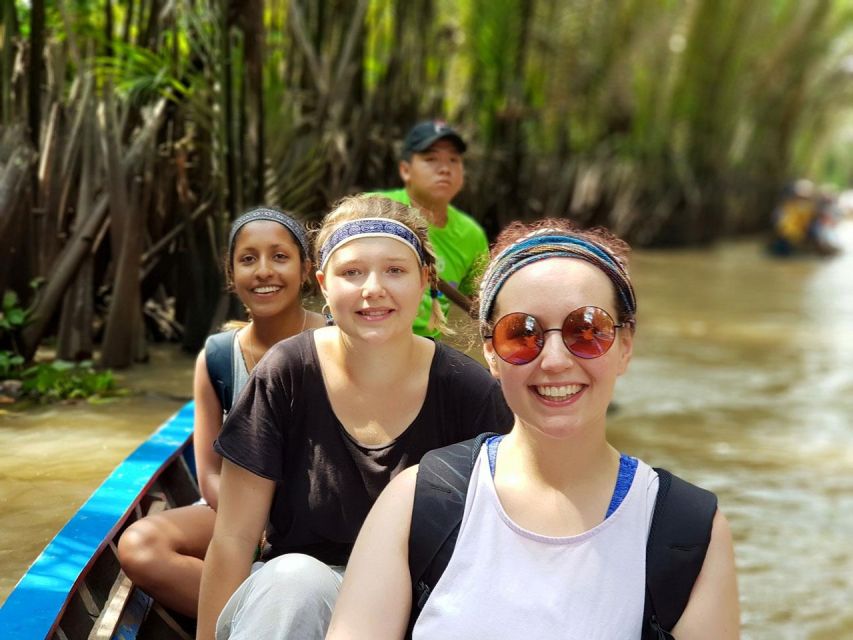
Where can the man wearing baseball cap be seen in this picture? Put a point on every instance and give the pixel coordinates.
(433, 173)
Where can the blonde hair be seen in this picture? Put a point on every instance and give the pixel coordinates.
(375, 206)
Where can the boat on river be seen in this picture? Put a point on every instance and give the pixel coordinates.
(76, 589)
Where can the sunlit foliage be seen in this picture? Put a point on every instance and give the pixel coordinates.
(671, 122)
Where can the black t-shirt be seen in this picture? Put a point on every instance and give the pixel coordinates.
(283, 428)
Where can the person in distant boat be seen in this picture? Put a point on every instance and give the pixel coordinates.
(554, 519)
(824, 230)
(793, 218)
(327, 419)
(267, 263)
(433, 173)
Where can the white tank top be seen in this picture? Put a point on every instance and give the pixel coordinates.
(504, 582)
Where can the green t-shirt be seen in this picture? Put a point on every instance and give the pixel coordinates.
(461, 250)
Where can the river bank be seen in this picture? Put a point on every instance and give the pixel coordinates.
(52, 457)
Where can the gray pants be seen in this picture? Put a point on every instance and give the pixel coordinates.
(291, 596)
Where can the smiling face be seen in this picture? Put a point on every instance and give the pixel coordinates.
(558, 394)
(373, 287)
(435, 176)
(267, 268)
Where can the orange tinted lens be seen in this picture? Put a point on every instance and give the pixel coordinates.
(517, 338)
(588, 332)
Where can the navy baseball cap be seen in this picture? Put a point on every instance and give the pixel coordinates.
(424, 134)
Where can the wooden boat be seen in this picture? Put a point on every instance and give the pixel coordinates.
(76, 589)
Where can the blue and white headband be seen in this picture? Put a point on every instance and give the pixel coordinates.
(263, 213)
(551, 243)
(370, 228)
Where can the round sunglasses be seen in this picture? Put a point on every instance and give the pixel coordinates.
(587, 332)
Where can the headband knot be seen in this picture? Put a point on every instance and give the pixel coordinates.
(551, 243)
(370, 228)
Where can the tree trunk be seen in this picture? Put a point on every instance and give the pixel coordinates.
(149, 34)
(80, 243)
(10, 31)
(128, 21)
(74, 336)
(64, 269)
(13, 173)
(253, 47)
(16, 167)
(35, 69)
(49, 182)
(74, 339)
(108, 28)
(228, 114)
(124, 317)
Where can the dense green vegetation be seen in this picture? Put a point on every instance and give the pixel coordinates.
(61, 380)
(44, 381)
(132, 132)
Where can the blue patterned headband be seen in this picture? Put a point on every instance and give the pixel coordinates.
(263, 213)
(550, 243)
(370, 228)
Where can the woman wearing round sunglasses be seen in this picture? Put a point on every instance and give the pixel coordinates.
(553, 535)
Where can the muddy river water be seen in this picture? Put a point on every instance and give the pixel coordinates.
(742, 381)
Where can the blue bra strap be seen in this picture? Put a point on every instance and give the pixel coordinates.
(627, 469)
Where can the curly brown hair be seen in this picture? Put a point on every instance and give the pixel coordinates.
(620, 250)
(517, 230)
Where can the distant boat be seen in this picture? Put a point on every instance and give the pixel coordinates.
(76, 589)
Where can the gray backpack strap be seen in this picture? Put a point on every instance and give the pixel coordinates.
(219, 356)
(440, 491)
(675, 551)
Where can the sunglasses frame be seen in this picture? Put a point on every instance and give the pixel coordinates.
(541, 344)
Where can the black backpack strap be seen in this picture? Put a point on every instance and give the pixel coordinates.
(440, 490)
(219, 356)
(675, 551)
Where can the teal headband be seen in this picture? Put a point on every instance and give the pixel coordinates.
(551, 243)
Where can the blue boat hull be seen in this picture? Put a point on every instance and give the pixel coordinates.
(75, 588)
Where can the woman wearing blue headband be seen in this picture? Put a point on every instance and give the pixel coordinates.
(328, 418)
(551, 521)
(267, 262)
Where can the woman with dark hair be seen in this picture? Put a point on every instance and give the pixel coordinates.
(267, 263)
